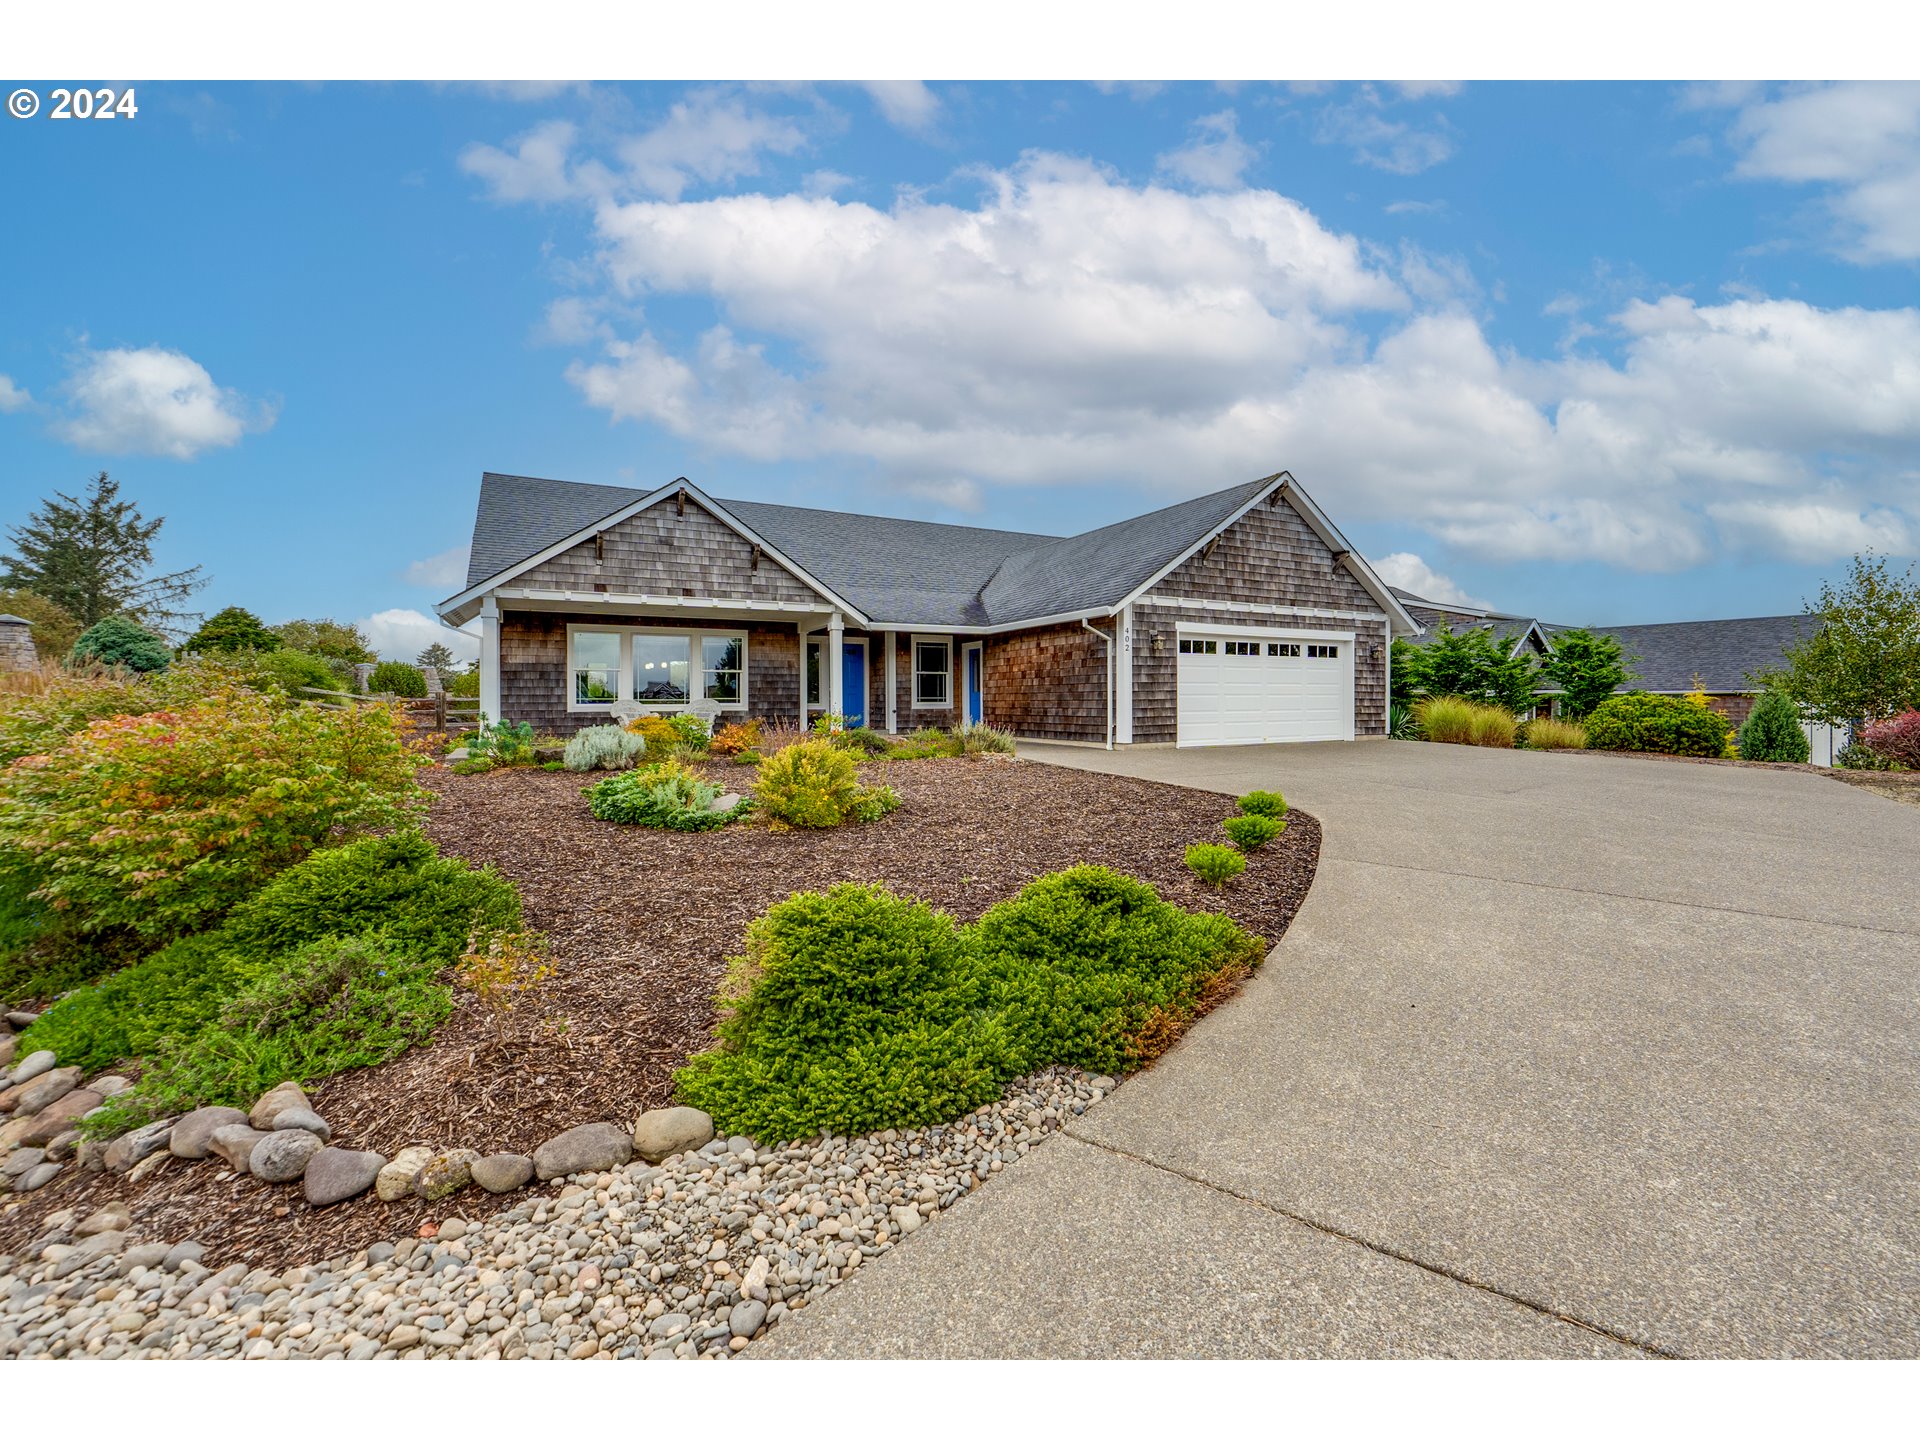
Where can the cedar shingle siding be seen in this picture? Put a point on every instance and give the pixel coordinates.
(1048, 683)
(1270, 556)
(660, 552)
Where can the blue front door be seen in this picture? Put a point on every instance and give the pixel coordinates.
(973, 683)
(853, 681)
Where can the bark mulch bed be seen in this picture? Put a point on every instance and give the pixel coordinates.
(1903, 785)
(640, 924)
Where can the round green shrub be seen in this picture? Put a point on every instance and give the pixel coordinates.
(665, 796)
(812, 785)
(1215, 864)
(396, 677)
(603, 747)
(118, 640)
(1250, 832)
(1262, 802)
(1658, 724)
(231, 631)
(1772, 731)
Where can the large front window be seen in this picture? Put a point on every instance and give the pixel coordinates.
(660, 669)
(932, 674)
(596, 668)
(666, 668)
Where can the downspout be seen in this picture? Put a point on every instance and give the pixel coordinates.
(1107, 640)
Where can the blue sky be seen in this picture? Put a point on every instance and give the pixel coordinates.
(1598, 352)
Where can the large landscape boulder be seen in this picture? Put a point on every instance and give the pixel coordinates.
(193, 1132)
(56, 1118)
(136, 1145)
(34, 1066)
(36, 1095)
(269, 1106)
(234, 1144)
(299, 1119)
(334, 1175)
(679, 1128)
(395, 1180)
(500, 1173)
(283, 1155)
(584, 1148)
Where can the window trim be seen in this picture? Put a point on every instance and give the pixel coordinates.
(806, 653)
(696, 668)
(914, 672)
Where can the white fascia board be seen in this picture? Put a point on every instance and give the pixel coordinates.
(451, 610)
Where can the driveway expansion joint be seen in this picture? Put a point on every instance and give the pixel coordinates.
(1646, 1347)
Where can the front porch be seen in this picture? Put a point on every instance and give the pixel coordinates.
(561, 661)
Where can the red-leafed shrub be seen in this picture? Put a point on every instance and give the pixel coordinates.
(162, 821)
(1897, 739)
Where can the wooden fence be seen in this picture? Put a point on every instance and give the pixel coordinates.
(442, 712)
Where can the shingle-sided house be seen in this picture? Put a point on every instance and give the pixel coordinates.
(1236, 618)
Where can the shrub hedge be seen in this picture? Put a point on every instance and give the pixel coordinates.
(858, 1010)
(1659, 724)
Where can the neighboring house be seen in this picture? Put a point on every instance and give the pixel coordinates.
(1520, 631)
(1235, 618)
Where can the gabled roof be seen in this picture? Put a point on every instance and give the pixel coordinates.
(899, 573)
(1435, 614)
(1721, 653)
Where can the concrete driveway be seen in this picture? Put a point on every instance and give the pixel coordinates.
(1564, 1055)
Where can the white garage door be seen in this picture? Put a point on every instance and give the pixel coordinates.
(1256, 687)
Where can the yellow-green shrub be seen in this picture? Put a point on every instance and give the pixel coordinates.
(1547, 733)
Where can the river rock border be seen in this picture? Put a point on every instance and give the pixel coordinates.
(691, 1254)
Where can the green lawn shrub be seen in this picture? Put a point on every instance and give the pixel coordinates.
(1262, 802)
(662, 796)
(160, 822)
(120, 641)
(1215, 864)
(862, 739)
(1250, 832)
(501, 744)
(1660, 724)
(603, 747)
(857, 1010)
(397, 677)
(1772, 731)
(294, 672)
(929, 742)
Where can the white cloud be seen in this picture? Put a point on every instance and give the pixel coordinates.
(1425, 89)
(1400, 147)
(12, 396)
(1067, 327)
(445, 571)
(403, 634)
(571, 320)
(1417, 207)
(1215, 157)
(152, 401)
(706, 137)
(1412, 574)
(908, 104)
(1860, 140)
(535, 170)
(824, 182)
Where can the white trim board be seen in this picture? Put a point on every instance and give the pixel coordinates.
(1246, 607)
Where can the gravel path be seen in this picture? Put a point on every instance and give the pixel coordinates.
(690, 1258)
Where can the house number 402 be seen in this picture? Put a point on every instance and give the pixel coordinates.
(102, 104)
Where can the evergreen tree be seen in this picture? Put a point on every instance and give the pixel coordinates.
(1862, 662)
(92, 556)
(436, 655)
(1773, 732)
(1586, 667)
(232, 630)
(117, 640)
(1474, 664)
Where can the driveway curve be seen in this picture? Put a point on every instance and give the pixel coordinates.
(1564, 1055)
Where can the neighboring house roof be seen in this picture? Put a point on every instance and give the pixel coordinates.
(1722, 654)
(903, 572)
(1518, 630)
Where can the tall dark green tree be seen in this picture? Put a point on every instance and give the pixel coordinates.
(1586, 667)
(436, 655)
(1475, 664)
(92, 555)
(229, 632)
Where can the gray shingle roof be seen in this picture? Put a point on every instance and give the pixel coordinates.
(1723, 653)
(904, 572)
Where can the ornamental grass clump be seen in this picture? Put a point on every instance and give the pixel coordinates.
(977, 738)
(857, 1010)
(603, 747)
(1450, 720)
(1250, 832)
(1546, 733)
(1215, 864)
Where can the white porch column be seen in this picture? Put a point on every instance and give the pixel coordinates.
(490, 659)
(836, 677)
(893, 690)
(1123, 689)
